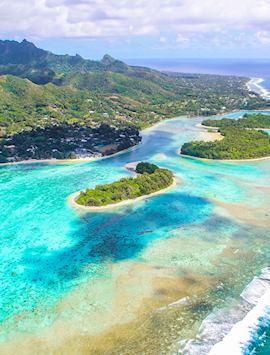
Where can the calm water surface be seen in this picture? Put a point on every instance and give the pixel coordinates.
(86, 276)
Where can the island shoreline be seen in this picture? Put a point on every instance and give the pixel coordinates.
(218, 136)
(223, 160)
(91, 159)
(72, 200)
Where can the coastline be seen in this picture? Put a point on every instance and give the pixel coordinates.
(50, 161)
(222, 160)
(169, 285)
(230, 329)
(217, 128)
(254, 85)
(72, 200)
(216, 136)
(69, 161)
(147, 129)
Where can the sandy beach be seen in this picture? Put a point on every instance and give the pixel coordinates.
(208, 135)
(51, 161)
(72, 200)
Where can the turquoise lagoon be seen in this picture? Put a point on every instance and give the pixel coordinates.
(90, 274)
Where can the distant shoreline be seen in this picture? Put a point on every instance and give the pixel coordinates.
(222, 160)
(73, 197)
(254, 85)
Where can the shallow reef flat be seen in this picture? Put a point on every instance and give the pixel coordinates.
(137, 279)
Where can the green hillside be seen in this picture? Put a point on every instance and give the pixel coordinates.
(39, 88)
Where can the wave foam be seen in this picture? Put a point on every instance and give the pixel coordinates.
(255, 85)
(228, 331)
(241, 334)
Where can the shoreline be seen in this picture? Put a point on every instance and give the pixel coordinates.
(227, 330)
(72, 200)
(145, 130)
(254, 85)
(223, 160)
(70, 161)
(199, 125)
(217, 136)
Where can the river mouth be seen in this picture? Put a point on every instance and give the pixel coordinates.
(104, 282)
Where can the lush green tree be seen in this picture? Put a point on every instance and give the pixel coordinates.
(248, 121)
(238, 143)
(126, 188)
(144, 167)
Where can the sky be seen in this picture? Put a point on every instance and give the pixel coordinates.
(141, 29)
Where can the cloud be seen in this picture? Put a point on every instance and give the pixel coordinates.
(263, 37)
(182, 39)
(163, 39)
(184, 19)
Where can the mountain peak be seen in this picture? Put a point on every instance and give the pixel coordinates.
(27, 43)
(107, 60)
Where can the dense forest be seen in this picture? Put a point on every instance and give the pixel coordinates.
(248, 121)
(241, 140)
(145, 167)
(126, 188)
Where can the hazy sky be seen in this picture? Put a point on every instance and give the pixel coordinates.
(142, 29)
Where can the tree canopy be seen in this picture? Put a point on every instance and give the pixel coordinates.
(126, 188)
(145, 167)
(241, 139)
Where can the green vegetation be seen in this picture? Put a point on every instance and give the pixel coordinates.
(145, 167)
(40, 90)
(74, 90)
(67, 141)
(126, 188)
(248, 121)
(241, 140)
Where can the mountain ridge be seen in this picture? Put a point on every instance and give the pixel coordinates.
(72, 89)
(26, 60)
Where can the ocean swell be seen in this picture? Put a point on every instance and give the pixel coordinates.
(255, 84)
(233, 329)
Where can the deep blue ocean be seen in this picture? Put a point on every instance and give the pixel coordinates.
(243, 67)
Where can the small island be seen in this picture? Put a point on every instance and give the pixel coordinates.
(150, 180)
(243, 139)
